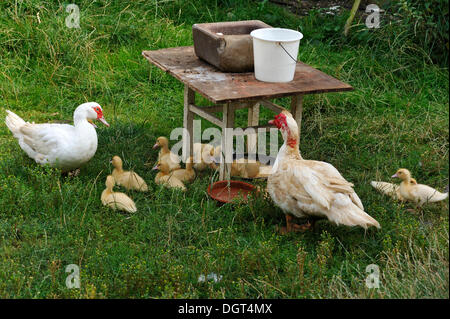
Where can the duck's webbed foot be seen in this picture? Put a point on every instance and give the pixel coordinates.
(303, 227)
(293, 227)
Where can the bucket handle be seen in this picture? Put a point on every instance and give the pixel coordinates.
(287, 52)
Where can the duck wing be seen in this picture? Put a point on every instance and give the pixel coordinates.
(319, 194)
(336, 179)
(318, 187)
(120, 201)
(38, 140)
(131, 180)
(43, 139)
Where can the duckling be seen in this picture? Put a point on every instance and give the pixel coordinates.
(417, 193)
(116, 200)
(390, 189)
(252, 169)
(165, 178)
(187, 174)
(127, 179)
(165, 154)
(244, 168)
(206, 153)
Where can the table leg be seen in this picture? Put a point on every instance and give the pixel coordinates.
(188, 123)
(253, 120)
(296, 110)
(227, 141)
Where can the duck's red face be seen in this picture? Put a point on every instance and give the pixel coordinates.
(100, 117)
(279, 121)
(99, 111)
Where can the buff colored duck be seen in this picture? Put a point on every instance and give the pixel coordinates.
(417, 193)
(128, 179)
(116, 200)
(165, 154)
(165, 178)
(311, 189)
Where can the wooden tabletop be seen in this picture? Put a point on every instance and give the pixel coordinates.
(220, 87)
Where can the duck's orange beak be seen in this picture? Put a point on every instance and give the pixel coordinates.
(395, 175)
(155, 146)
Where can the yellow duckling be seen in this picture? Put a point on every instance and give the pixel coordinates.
(115, 200)
(244, 168)
(165, 154)
(417, 193)
(205, 155)
(390, 189)
(187, 174)
(165, 178)
(127, 179)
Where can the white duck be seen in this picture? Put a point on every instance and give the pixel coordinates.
(63, 146)
(417, 193)
(306, 188)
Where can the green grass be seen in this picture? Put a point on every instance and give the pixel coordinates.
(397, 116)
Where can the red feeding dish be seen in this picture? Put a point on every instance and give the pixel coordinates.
(224, 193)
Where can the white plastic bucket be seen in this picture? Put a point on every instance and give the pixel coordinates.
(275, 53)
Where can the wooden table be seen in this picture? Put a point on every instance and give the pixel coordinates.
(232, 91)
